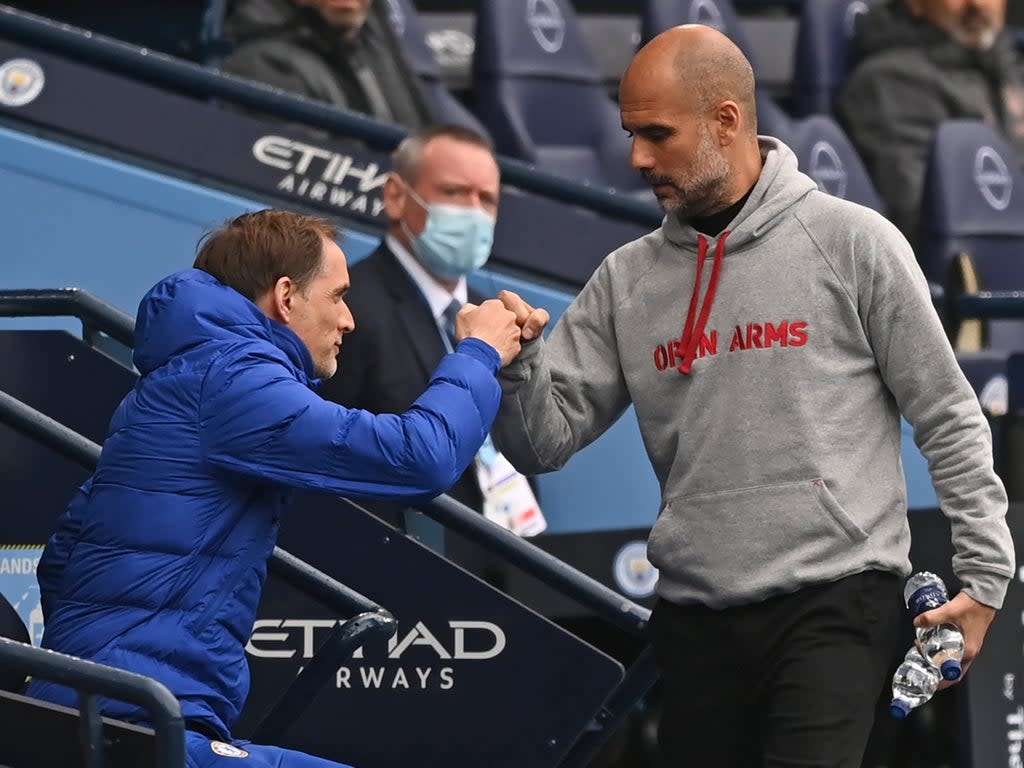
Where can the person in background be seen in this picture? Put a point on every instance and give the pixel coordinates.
(769, 337)
(441, 202)
(340, 52)
(920, 63)
(158, 564)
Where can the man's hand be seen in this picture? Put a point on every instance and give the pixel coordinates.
(493, 323)
(973, 619)
(532, 321)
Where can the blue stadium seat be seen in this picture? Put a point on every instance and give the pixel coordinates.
(826, 155)
(659, 15)
(972, 219)
(540, 94)
(771, 119)
(987, 372)
(410, 30)
(822, 63)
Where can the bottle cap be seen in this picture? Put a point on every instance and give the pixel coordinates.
(950, 669)
(899, 708)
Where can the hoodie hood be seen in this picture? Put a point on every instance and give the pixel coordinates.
(780, 186)
(191, 308)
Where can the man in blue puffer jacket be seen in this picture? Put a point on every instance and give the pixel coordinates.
(158, 563)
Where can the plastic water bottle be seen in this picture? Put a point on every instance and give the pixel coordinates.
(942, 645)
(913, 684)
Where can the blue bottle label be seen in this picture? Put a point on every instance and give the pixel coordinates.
(927, 598)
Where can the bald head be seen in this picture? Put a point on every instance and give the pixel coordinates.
(704, 65)
(687, 100)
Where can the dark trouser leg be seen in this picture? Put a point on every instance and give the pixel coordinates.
(828, 671)
(790, 682)
(705, 690)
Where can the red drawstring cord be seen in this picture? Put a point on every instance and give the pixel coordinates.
(691, 335)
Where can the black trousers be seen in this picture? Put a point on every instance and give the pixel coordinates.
(790, 682)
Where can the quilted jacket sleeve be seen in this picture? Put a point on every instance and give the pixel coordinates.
(258, 420)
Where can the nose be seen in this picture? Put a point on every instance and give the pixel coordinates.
(346, 320)
(639, 156)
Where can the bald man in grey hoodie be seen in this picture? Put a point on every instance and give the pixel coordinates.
(769, 337)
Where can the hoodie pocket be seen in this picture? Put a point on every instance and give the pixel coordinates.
(742, 544)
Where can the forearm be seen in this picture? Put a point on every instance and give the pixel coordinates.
(281, 432)
(949, 427)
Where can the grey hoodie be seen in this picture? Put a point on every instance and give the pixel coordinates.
(778, 454)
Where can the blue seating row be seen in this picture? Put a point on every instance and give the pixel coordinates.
(539, 94)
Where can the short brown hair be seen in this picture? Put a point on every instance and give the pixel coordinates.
(253, 251)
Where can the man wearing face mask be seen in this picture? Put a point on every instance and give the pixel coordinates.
(920, 63)
(441, 201)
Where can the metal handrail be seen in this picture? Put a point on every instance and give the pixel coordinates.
(341, 644)
(169, 71)
(82, 675)
(991, 305)
(592, 594)
(40, 427)
(94, 313)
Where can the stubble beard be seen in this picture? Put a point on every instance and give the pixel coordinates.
(705, 192)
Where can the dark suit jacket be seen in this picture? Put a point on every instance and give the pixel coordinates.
(386, 362)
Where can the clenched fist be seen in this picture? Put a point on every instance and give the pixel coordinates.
(532, 320)
(493, 323)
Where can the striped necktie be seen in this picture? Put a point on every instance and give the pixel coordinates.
(448, 320)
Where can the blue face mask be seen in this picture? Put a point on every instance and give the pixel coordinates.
(456, 241)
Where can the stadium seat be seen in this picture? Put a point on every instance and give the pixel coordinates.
(771, 119)
(212, 45)
(824, 34)
(539, 93)
(972, 222)
(826, 155)
(407, 25)
(659, 15)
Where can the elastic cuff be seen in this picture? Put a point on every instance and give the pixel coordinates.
(986, 587)
(482, 351)
(517, 372)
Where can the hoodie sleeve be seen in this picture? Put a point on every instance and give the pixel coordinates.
(562, 393)
(920, 369)
(256, 419)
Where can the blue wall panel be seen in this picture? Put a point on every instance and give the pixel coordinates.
(70, 218)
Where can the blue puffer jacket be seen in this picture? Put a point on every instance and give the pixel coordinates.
(158, 563)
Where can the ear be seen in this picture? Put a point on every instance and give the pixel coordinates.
(395, 197)
(729, 118)
(279, 302)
